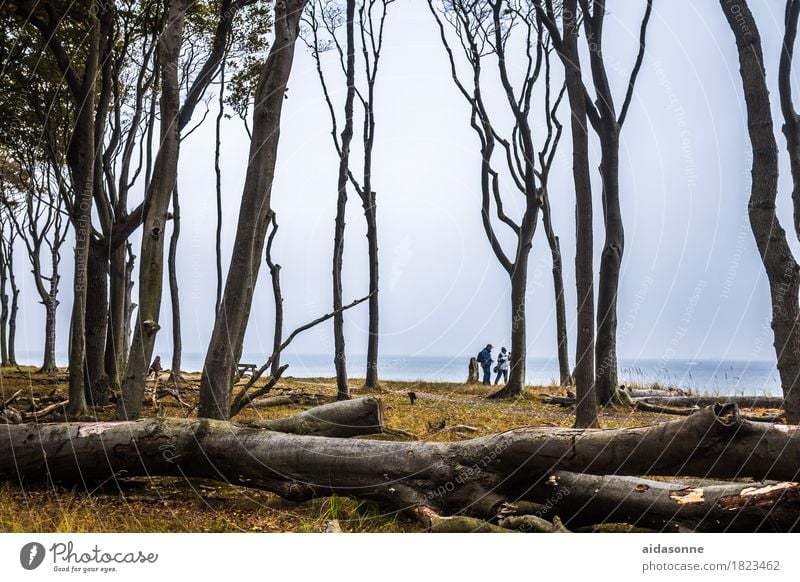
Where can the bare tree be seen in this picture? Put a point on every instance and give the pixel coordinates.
(607, 124)
(484, 30)
(323, 21)
(566, 43)
(230, 324)
(783, 272)
(37, 216)
(791, 119)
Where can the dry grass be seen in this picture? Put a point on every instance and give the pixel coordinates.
(193, 505)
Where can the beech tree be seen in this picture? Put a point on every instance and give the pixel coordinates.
(783, 272)
(36, 215)
(565, 40)
(484, 31)
(230, 323)
(323, 21)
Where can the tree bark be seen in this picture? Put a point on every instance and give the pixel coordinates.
(742, 401)
(370, 213)
(519, 287)
(791, 120)
(230, 323)
(115, 339)
(172, 259)
(348, 418)
(4, 310)
(564, 370)
(151, 268)
(482, 475)
(581, 500)
(610, 264)
(781, 267)
(12, 314)
(95, 379)
(586, 409)
(340, 356)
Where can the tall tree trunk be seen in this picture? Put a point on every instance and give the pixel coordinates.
(277, 298)
(177, 342)
(4, 312)
(562, 339)
(230, 324)
(95, 380)
(610, 263)
(12, 315)
(130, 306)
(782, 270)
(218, 174)
(791, 120)
(586, 408)
(340, 357)
(151, 268)
(115, 339)
(519, 287)
(370, 213)
(49, 360)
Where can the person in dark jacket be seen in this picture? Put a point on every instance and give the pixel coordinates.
(485, 360)
(502, 366)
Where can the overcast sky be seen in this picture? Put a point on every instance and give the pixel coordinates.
(692, 283)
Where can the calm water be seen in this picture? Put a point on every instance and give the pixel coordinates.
(710, 376)
(723, 377)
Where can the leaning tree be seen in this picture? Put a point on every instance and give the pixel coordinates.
(230, 322)
(485, 33)
(783, 272)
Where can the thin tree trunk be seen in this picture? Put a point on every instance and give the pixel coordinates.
(12, 315)
(151, 268)
(791, 120)
(4, 310)
(277, 298)
(370, 212)
(562, 339)
(519, 286)
(130, 306)
(340, 357)
(586, 409)
(177, 342)
(610, 264)
(230, 324)
(218, 173)
(95, 380)
(782, 270)
(49, 363)
(115, 339)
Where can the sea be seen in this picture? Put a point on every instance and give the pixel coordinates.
(730, 377)
(706, 376)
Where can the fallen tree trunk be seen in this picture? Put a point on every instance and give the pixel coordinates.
(479, 476)
(584, 500)
(704, 400)
(343, 419)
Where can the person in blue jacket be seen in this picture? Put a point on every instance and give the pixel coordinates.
(485, 360)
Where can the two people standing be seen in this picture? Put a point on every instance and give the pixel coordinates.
(485, 360)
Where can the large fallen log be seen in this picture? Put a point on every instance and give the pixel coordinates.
(348, 418)
(478, 476)
(705, 400)
(581, 500)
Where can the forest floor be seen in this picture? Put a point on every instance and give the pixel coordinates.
(442, 412)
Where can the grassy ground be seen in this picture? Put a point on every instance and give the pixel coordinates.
(192, 505)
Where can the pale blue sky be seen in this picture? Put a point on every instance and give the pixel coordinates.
(692, 282)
